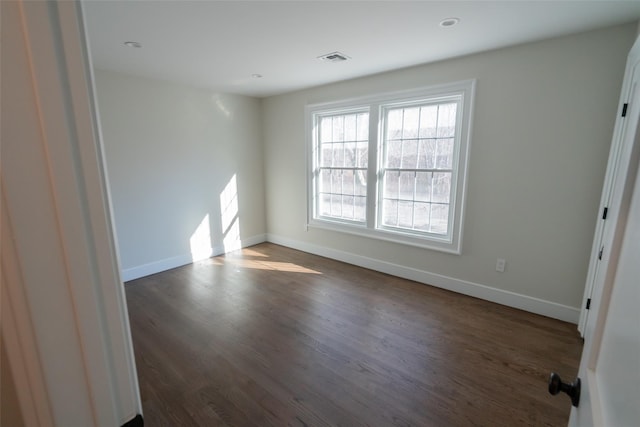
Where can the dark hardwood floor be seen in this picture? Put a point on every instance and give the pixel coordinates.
(270, 336)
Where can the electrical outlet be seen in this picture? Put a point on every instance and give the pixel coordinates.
(500, 265)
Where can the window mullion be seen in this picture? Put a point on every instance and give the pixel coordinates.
(316, 167)
(353, 184)
(431, 203)
(435, 152)
(413, 210)
(373, 174)
(415, 174)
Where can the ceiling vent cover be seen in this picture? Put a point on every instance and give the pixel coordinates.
(334, 57)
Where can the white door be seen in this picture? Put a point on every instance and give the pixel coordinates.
(610, 365)
(611, 201)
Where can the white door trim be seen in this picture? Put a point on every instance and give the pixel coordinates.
(18, 337)
(66, 305)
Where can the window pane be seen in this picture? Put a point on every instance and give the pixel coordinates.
(350, 154)
(347, 207)
(350, 127)
(426, 154)
(336, 194)
(325, 129)
(325, 204)
(391, 185)
(362, 127)
(338, 155)
(338, 128)
(439, 218)
(417, 138)
(421, 216)
(336, 205)
(447, 120)
(394, 154)
(394, 124)
(410, 122)
(360, 211)
(325, 181)
(441, 187)
(406, 185)
(410, 154)
(347, 182)
(326, 155)
(363, 154)
(444, 158)
(405, 214)
(428, 121)
(336, 181)
(361, 183)
(390, 212)
(423, 186)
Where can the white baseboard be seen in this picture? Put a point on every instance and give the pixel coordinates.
(155, 267)
(184, 259)
(511, 299)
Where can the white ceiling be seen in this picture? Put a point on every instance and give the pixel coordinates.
(220, 44)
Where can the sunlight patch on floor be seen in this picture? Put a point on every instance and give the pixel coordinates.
(252, 252)
(286, 267)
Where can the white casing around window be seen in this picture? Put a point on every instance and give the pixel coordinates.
(452, 241)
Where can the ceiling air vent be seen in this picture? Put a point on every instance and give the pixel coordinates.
(334, 57)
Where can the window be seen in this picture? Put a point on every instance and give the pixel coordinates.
(392, 166)
(343, 146)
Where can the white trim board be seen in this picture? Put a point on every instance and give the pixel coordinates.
(18, 334)
(77, 366)
(510, 299)
(184, 259)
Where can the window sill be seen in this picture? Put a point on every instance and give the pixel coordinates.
(434, 244)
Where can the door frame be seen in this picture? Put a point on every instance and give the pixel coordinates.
(64, 319)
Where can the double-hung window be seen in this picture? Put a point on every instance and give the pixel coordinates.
(392, 166)
(343, 159)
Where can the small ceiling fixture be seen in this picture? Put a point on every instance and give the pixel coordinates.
(133, 44)
(334, 57)
(449, 22)
(256, 76)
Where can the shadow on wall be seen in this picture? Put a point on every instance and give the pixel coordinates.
(202, 243)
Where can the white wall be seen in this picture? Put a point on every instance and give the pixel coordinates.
(171, 150)
(544, 115)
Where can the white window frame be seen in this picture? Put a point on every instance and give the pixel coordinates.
(316, 155)
(376, 104)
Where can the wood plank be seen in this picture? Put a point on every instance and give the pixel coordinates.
(270, 336)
